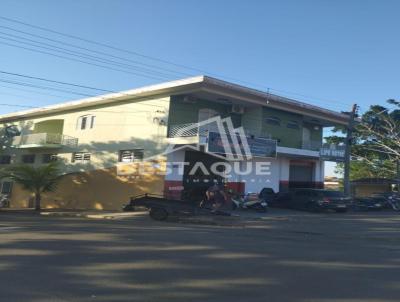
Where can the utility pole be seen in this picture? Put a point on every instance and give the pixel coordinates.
(347, 154)
(398, 177)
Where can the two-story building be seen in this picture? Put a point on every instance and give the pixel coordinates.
(101, 141)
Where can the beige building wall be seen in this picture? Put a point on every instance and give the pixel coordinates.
(120, 126)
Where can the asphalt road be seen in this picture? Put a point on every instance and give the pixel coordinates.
(287, 257)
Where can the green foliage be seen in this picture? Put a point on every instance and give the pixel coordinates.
(362, 169)
(35, 179)
(376, 142)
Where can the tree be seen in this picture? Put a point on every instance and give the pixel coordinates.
(38, 180)
(376, 144)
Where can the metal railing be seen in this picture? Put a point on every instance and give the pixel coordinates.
(192, 130)
(311, 145)
(44, 139)
(187, 130)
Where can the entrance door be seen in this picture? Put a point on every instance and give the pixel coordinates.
(301, 174)
(306, 136)
(204, 115)
(198, 182)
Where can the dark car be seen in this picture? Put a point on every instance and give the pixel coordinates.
(274, 200)
(317, 200)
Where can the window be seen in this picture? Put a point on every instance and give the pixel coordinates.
(293, 125)
(81, 157)
(86, 122)
(48, 158)
(273, 120)
(28, 158)
(5, 159)
(6, 187)
(128, 156)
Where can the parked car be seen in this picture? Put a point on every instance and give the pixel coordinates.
(317, 200)
(367, 204)
(389, 200)
(275, 200)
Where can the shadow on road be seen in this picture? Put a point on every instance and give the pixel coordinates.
(303, 258)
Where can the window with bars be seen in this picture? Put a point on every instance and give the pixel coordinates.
(81, 157)
(273, 120)
(6, 187)
(28, 158)
(5, 159)
(48, 158)
(86, 122)
(132, 155)
(293, 125)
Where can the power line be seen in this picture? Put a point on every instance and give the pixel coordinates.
(81, 61)
(53, 81)
(32, 91)
(144, 56)
(44, 87)
(95, 51)
(101, 44)
(80, 54)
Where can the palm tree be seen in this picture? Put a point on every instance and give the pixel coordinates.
(38, 180)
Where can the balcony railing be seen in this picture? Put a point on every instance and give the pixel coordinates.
(44, 140)
(187, 130)
(193, 130)
(311, 145)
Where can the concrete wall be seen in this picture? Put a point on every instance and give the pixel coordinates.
(96, 189)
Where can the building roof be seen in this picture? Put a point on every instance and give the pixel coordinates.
(189, 85)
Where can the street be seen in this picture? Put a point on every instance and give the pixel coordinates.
(288, 256)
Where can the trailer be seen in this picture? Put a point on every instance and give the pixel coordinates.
(160, 208)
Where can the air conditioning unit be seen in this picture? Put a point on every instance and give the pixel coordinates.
(237, 109)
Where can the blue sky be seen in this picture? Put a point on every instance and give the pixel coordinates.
(329, 53)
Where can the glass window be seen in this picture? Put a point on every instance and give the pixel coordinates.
(128, 156)
(5, 159)
(83, 122)
(81, 157)
(6, 187)
(86, 122)
(92, 121)
(28, 158)
(47, 158)
(273, 120)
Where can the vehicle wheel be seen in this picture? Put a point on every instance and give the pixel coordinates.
(128, 208)
(158, 214)
(313, 208)
(261, 210)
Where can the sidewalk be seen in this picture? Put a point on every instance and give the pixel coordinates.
(238, 218)
(92, 214)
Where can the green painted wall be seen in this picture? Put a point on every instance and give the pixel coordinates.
(287, 137)
(181, 112)
(316, 134)
(253, 120)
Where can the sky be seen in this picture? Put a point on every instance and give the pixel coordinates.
(328, 53)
